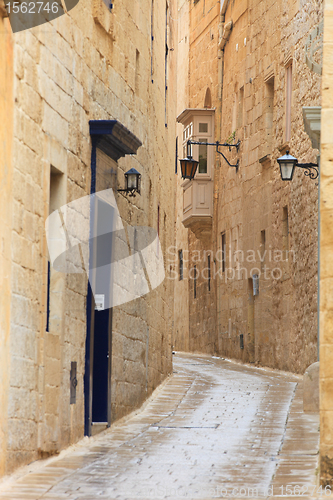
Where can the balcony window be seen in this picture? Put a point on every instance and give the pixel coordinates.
(203, 128)
(202, 157)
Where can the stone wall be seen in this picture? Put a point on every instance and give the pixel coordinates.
(89, 64)
(6, 130)
(203, 77)
(262, 218)
(181, 305)
(258, 211)
(326, 269)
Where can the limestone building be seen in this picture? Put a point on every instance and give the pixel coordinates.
(83, 98)
(252, 238)
(326, 244)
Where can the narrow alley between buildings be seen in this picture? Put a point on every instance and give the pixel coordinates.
(214, 429)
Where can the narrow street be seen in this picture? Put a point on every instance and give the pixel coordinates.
(215, 429)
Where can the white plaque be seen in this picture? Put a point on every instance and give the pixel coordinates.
(99, 301)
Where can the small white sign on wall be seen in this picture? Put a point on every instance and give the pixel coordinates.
(99, 301)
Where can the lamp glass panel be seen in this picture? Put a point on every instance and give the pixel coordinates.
(132, 181)
(183, 164)
(287, 170)
(188, 169)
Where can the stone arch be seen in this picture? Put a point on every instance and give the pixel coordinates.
(208, 99)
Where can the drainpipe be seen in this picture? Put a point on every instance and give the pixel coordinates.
(224, 34)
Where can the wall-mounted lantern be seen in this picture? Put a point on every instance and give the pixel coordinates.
(189, 166)
(288, 163)
(132, 182)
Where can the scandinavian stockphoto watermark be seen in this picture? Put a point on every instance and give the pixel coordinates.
(89, 236)
(227, 264)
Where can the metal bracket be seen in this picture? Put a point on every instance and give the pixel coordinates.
(217, 144)
(308, 167)
(127, 191)
(73, 382)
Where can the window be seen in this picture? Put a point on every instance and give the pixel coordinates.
(137, 71)
(240, 108)
(203, 128)
(56, 200)
(269, 106)
(181, 265)
(158, 230)
(202, 157)
(285, 231)
(289, 81)
(262, 248)
(223, 251)
(209, 274)
(48, 297)
(195, 282)
(187, 134)
(176, 154)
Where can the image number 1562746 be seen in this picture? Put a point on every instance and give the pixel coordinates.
(32, 7)
(26, 14)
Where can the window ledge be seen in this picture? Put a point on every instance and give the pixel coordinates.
(266, 160)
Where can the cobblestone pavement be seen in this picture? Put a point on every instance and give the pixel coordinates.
(216, 429)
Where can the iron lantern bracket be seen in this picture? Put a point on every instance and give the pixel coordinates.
(311, 169)
(130, 192)
(217, 144)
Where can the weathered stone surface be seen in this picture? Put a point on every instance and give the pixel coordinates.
(89, 64)
(270, 227)
(326, 268)
(311, 389)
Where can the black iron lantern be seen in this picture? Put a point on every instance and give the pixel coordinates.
(287, 167)
(287, 164)
(188, 167)
(132, 182)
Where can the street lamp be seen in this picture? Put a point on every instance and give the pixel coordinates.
(288, 163)
(189, 166)
(132, 182)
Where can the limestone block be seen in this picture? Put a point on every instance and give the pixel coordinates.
(22, 404)
(18, 211)
(52, 346)
(22, 342)
(22, 434)
(32, 46)
(31, 102)
(52, 399)
(55, 70)
(23, 373)
(52, 372)
(55, 125)
(311, 389)
(59, 100)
